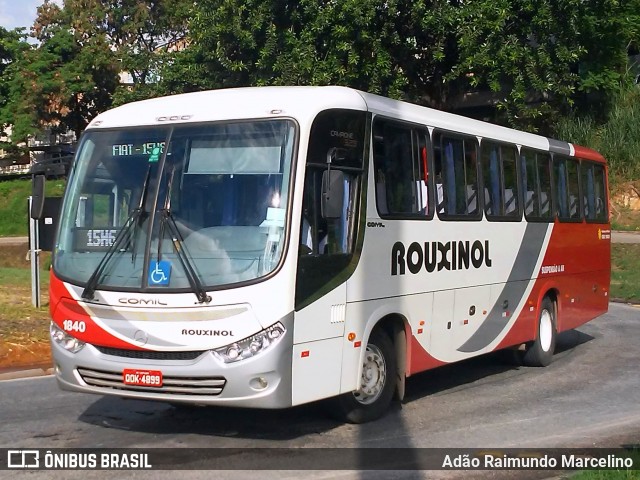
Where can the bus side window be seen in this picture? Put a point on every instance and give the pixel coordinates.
(380, 168)
(601, 201)
(500, 170)
(437, 177)
(536, 184)
(588, 191)
(400, 155)
(509, 154)
(594, 201)
(422, 184)
(567, 188)
(543, 162)
(573, 189)
(560, 186)
(491, 169)
(530, 183)
(456, 175)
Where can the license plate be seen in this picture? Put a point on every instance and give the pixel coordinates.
(142, 378)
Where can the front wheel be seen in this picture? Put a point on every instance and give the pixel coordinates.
(540, 352)
(377, 383)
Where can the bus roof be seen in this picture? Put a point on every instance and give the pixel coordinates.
(304, 103)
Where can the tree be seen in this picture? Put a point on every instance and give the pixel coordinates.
(73, 72)
(142, 36)
(539, 57)
(64, 81)
(12, 47)
(308, 42)
(544, 57)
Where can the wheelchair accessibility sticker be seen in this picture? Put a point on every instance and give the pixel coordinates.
(159, 272)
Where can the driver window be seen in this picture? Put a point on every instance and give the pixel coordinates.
(322, 236)
(326, 243)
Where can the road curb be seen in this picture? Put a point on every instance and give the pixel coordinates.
(27, 372)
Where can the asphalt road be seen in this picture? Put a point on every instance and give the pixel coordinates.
(589, 396)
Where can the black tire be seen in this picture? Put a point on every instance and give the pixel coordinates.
(373, 398)
(539, 353)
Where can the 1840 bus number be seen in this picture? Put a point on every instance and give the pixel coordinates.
(74, 326)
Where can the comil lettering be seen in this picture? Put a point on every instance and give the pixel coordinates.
(432, 256)
(140, 301)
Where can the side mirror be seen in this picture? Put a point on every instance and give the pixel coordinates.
(37, 196)
(332, 194)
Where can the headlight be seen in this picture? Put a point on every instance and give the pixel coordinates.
(251, 346)
(65, 340)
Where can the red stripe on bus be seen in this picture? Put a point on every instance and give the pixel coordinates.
(588, 154)
(419, 359)
(65, 307)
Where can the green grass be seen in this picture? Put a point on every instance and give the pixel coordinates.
(623, 227)
(11, 276)
(613, 474)
(624, 218)
(607, 475)
(625, 272)
(13, 204)
(20, 321)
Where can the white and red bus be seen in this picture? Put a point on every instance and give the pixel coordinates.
(268, 247)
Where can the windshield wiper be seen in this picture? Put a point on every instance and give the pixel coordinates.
(134, 219)
(167, 219)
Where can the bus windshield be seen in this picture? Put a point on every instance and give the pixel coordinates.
(176, 206)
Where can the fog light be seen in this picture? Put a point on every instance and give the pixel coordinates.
(259, 383)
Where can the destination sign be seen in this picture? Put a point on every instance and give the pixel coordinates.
(130, 149)
(94, 239)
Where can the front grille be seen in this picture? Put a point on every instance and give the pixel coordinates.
(173, 385)
(149, 355)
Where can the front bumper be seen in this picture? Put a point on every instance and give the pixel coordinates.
(205, 380)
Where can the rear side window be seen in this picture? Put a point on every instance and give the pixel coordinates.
(536, 184)
(567, 188)
(456, 176)
(500, 175)
(593, 187)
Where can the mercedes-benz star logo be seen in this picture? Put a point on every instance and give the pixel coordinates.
(141, 337)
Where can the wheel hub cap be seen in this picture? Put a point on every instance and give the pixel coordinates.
(374, 374)
(546, 327)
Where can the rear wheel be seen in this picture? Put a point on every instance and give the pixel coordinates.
(377, 383)
(540, 352)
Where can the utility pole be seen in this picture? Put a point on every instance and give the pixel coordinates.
(34, 254)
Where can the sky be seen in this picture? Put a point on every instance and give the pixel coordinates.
(19, 13)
